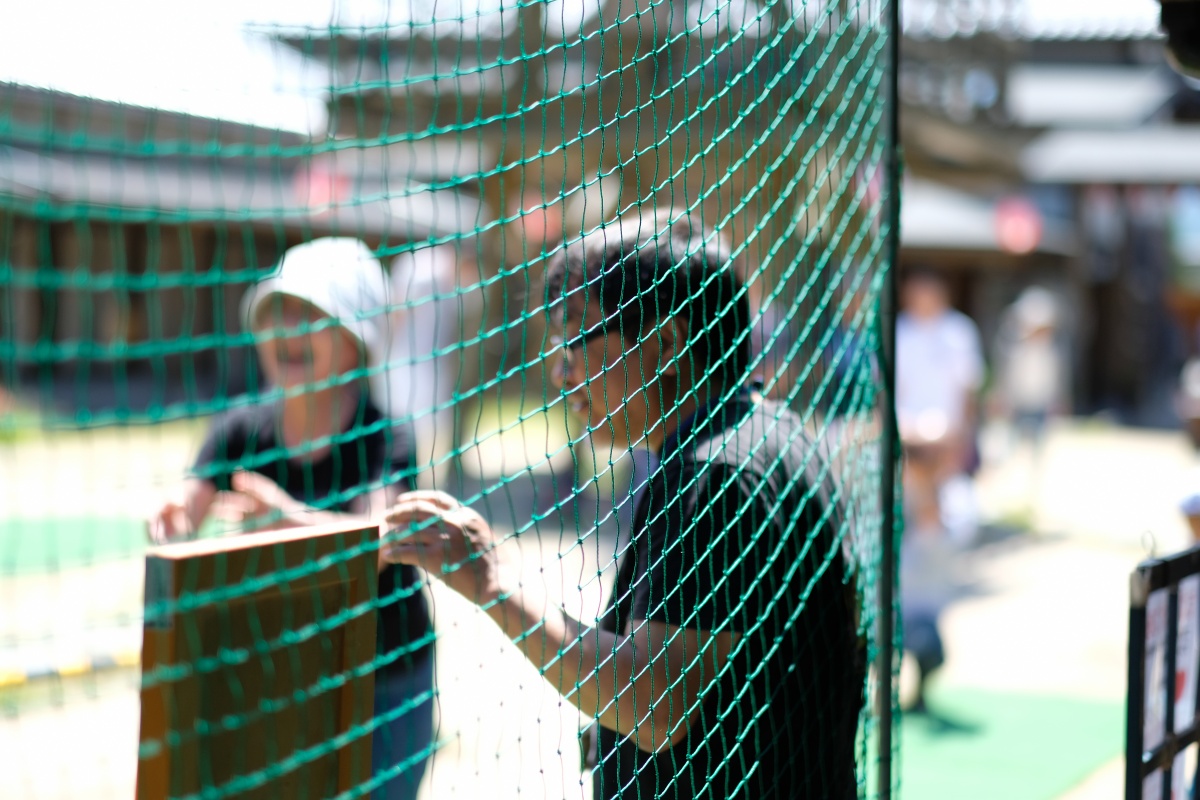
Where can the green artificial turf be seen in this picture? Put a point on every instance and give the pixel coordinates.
(49, 545)
(985, 745)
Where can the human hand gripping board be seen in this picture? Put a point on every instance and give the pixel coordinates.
(257, 665)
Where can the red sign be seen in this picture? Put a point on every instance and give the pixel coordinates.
(320, 188)
(1018, 226)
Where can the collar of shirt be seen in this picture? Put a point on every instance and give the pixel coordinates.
(716, 411)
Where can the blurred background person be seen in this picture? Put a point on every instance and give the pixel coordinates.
(1031, 374)
(317, 450)
(834, 387)
(939, 371)
(1031, 370)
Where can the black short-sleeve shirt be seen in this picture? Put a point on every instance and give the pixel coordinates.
(733, 533)
(371, 449)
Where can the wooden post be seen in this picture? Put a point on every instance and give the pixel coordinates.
(257, 651)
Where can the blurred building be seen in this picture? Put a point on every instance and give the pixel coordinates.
(1063, 123)
(563, 124)
(128, 236)
(1045, 142)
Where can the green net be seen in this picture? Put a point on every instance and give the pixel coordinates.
(587, 297)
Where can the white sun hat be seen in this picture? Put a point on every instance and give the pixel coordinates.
(342, 278)
(1035, 309)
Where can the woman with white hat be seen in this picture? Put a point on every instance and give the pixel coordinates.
(318, 448)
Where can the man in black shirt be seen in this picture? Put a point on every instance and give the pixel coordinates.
(729, 663)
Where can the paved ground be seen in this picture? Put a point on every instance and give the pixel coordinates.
(1045, 611)
(1043, 614)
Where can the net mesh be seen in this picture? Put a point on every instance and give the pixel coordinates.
(608, 276)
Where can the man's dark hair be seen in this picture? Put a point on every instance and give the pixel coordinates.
(643, 270)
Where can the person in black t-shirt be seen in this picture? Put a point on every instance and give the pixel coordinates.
(321, 451)
(729, 663)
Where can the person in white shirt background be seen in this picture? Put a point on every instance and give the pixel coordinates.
(1031, 374)
(939, 372)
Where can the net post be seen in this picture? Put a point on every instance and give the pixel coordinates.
(1139, 590)
(889, 445)
(1169, 740)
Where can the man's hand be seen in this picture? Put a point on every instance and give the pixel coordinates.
(649, 681)
(449, 540)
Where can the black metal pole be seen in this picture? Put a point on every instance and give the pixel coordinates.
(1133, 704)
(1168, 768)
(890, 574)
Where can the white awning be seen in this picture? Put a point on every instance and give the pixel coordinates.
(937, 217)
(1144, 155)
(1040, 95)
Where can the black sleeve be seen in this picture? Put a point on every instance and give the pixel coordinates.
(224, 448)
(704, 553)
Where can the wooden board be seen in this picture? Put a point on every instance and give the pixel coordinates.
(256, 657)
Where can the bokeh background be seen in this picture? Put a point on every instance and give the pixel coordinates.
(1047, 145)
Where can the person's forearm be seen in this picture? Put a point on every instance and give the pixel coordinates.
(594, 669)
(554, 642)
(645, 682)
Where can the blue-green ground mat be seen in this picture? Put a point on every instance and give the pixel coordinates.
(47, 546)
(983, 745)
(50, 545)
